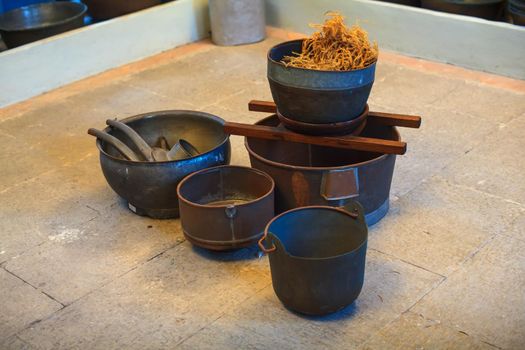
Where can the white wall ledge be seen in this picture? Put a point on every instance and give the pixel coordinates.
(44, 65)
(468, 42)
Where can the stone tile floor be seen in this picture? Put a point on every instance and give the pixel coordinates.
(445, 269)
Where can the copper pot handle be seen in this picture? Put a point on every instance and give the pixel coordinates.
(354, 209)
(263, 248)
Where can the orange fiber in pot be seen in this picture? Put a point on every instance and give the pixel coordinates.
(335, 47)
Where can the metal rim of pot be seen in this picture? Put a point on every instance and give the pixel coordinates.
(313, 168)
(160, 114)
(353, 214)
(306, 69)
(351, 127)
(200, 172)
(473, 3)
(81, 6)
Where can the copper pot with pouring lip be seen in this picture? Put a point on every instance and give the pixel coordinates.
(308, 175)
(317, 257)
(225, 207)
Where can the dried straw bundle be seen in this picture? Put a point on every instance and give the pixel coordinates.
(335, 47)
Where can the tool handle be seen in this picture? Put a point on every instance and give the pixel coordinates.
(348, 142)
(119, 145)
(262, 106)
(392, 119)
(143, 147)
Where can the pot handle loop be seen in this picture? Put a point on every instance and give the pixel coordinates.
(355, 210)
(263, 248)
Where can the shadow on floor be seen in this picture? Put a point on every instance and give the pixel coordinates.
(244, 254)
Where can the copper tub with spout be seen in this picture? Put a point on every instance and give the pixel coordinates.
(308, 175)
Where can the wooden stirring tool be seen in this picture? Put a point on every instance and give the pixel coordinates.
(280, 133)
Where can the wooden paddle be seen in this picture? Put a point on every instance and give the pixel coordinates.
(280, 133)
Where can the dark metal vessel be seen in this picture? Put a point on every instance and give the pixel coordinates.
(150, 187)
(415, 3)
(38, 21)
(317, 96)
(353, 126)
(317, 257)
(106, 9)
(316, 175)
(488, 9)
(225, 207)
(516, 11)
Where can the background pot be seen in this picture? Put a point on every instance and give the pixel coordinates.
(106, 9)
(38, 21)
(516, 11)
(414, 3)
(6, 5)
(236, 22)
(317, 96)
(488, 9)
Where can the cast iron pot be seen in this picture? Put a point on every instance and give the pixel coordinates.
(516, 11)
(38, 21)
(317, 257)
(150, 188)
(317, 96)
(106, 9)
(415, 3)
(488, 9)
(315, 175)
(225, 207)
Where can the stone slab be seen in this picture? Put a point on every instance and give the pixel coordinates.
(78, 259)
(436, 144)
(156, 305)
(25, 305)
(412, 331)
(390, 288)
(484, 298)
(406, 89)
(484, 102)
(439, 225)
(496, 166)
(14, 343)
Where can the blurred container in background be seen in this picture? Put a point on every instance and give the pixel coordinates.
(237, 22)
(6, 5)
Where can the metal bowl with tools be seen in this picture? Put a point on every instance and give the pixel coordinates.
(236, 201)
(317, 257)
(38, 21)
(317, 96)
(150, 185)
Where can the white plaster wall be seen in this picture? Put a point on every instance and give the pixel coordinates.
(41, 66)
(45, 65)
(460, 40)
